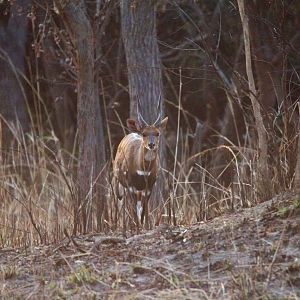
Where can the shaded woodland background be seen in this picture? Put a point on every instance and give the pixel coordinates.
(71, 72)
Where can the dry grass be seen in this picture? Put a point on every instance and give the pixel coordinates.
(250, 254)
(38, 186)
(36, 191)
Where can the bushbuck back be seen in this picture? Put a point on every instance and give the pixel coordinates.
(136, 164)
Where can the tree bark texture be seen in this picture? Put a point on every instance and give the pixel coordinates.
(261, 131)
(13, 37)
(142, 55)
(89, 120)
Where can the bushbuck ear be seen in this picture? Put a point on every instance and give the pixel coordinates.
(133, 125)
(163, 123)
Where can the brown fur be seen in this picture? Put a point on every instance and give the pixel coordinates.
(136, 163)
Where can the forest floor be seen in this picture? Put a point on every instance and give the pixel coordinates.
(250, 254)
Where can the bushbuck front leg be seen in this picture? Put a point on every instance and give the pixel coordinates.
(137, 210)
(139, 206)
(145, 211)
(132, 208)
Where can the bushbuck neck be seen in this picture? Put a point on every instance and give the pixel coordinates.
(147, 158)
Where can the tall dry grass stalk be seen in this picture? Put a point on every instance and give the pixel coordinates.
(197, 184)
(38, 190)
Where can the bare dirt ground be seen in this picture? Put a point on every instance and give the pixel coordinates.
(250, 254)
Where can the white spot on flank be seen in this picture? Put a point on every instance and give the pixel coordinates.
(143, 173)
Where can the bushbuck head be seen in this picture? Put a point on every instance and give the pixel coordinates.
(149, 133)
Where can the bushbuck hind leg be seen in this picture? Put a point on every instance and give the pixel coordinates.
(128, 211)
(117, 196)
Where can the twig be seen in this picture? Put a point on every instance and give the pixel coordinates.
(73, 241)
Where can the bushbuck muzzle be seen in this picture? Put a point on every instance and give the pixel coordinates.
(150, 136)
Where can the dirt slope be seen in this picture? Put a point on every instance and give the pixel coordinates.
(250, 254)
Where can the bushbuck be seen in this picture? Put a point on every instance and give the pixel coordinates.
(136, 164)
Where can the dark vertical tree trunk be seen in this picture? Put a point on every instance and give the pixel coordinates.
(268, 64)
(89, 121)
(102, 211)
(297, 167)
(142, 55)
(62, 94)
(144, 68)
(13, 38)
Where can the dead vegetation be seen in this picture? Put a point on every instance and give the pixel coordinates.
(250, 254)
(63, 233)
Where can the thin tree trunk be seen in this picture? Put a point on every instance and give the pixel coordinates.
(144, 68)
(88, 110)
(101, 206)
(297, 167)
(261, 131)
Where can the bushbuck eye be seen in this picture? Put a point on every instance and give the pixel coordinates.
(157, 134)
(144, 134)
